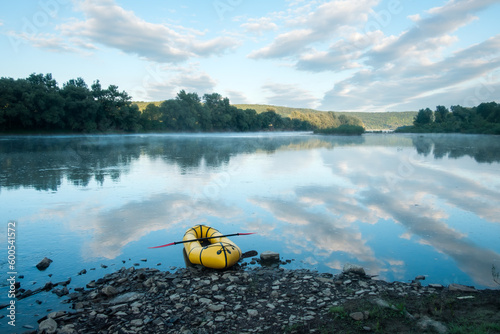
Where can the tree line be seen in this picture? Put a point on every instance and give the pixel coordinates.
(37, 103)
(484, 118)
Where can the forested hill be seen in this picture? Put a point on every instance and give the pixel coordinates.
(372, 120)
(390, 120)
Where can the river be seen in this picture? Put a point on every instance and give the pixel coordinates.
(400, 205)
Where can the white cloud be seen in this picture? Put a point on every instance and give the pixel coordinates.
(49, 42)
(237, 97)
(419, 39)
(378, 88)
(290, 95)
(111, 25)
(164, 82)
(286, 44)
(259, 26)
(319, 25)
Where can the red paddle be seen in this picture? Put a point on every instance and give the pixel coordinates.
(220, 236)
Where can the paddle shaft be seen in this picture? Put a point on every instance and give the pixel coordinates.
(201, 239)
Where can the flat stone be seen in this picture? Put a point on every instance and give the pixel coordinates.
(48, 326)
(252, 313)
(219, 297)
(109, 291)
(44, 264)
(380, 302)
(428, 323)
(56, 314)
(352, 268)
(269, 256)
(358, 316)
(175, 297)
(205, 301)
(126, 298)
(136, 322)
(67, 329)
(215, 307)
(461, 288)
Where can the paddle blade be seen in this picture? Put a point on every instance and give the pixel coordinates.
(170, 244)
(247, 233)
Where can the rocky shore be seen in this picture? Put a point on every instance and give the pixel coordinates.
(268, 300)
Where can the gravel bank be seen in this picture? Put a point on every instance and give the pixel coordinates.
(254, 300)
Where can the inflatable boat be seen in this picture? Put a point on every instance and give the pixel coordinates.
(215, 251)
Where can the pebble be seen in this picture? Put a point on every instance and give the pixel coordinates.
(44, 264)
(252, 313)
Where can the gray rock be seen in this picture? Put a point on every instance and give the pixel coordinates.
(358, 316)
(67, 329)
(48, 326)
(461, 288)
(352, 268)
(215, 307)
(57, 314)
(252, 312)
(136, 322)
(175, 297)
(428, 323)
(269, 256)
(219, 297)
(109, 291)
(126, 298)
(205, 301)
(44, 264)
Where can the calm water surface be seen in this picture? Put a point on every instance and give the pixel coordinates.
(399, 205)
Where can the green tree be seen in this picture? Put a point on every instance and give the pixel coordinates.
(221, 111)
(423, 117)
(490, 111)
(151, 118)
(80, 107)
(44, 102)
(192, 115)
(461, 114)
(441, 114)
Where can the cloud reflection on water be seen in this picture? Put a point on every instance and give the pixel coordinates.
(327, 199)
(326, 219)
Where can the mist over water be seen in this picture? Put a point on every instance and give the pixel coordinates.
(399, 205)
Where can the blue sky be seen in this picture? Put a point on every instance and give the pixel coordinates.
(366, 55)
